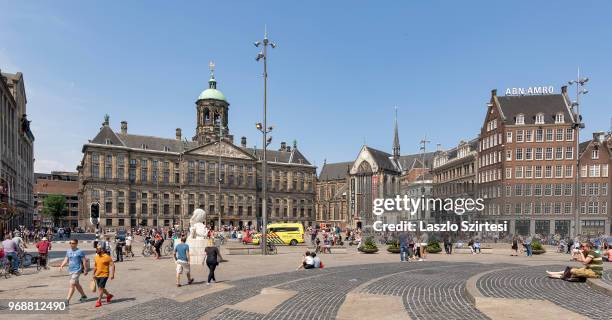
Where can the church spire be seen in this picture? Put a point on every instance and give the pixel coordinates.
(396, 143)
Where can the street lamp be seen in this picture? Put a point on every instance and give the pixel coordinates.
(577, 125)
(220, 124)
(264, 130)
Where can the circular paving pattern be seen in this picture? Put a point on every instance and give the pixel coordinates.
(428, 290)
(532, 283)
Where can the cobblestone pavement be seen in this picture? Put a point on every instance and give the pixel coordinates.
(430, 293)
(429, 290)
(607, 277)
(530, 283)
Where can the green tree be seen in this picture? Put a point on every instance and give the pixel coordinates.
(54, 206)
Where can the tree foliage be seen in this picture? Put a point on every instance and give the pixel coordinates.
(54, 206)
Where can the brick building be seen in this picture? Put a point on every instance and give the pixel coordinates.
(595, 181)
(57, 183)
(527, 161)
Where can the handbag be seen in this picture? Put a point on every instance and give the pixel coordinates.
(92, 285)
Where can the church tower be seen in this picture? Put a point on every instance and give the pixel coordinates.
(212, 113)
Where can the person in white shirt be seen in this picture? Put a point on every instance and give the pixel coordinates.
(316, 261)
(128, 245)
(307, 262)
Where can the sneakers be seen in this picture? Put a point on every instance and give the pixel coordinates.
(83, 299)
(108, 298)
(98, 303)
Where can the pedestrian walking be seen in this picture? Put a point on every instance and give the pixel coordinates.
(213, 257)
(43, 247)
(77, 265)
(182, 260)
(403, 244)
(103, 269)
(527, 244)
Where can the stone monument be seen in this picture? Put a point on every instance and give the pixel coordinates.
(197, 238)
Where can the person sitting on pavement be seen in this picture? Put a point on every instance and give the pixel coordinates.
(316, 261)
(43, 251)
(307, 262)
(590, 258)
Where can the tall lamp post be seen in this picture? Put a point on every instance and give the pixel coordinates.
(577, 125)
(264, 130)
(220, 180)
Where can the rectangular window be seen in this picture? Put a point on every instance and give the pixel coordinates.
(569, 171)
(519, 135)
(518, 189)
(108, 167)
(569, 134)
(549, 134)
(518, 172)
(569, 153)
(568, 189)
(559, 171)
(604, 189)
(527, 190)
(529, 154)
(508, 155)
(537, 209)
(548, 172)
(604, 170)
(529, 135)
(538, 154)
(539, 135)
(529, 172)
(143, 170)
(509, 137)
(559, 135)
(508, 173)
(583, 189)
(548, 189)
(583, 171)
(538, 172)
(559, 153)
(547, 208)
(558, 189)
(557, 208)
(95, 165)
(568, 208)
(519, 154)
(594, 170)
(120, 167)
(549, 153)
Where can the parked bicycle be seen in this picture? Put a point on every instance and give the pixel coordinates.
(148, 249)
(25, 259)
(168, 248)
(5, 268)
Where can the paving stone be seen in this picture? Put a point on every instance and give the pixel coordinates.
(532, 283)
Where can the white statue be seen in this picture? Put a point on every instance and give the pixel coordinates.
(197, 229)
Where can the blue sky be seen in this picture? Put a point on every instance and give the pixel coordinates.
(339, 69)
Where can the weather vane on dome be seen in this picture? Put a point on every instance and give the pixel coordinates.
(211, 66)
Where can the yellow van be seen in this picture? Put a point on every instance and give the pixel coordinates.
(283, 233)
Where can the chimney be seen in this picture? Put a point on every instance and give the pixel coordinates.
(494, 93)
(243, 142)
(598, 136)
(283, 146)
(564, 89)
(178, 134)
(123, 127)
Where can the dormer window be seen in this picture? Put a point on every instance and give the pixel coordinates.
(539, 119)
(559, 118)
(166, 148)
(108, 141)
(595, 154)
(520, 119)
(144, 146)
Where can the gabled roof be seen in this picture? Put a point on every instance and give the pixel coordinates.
(335, 171)
(408, 162)
(106, 133)
(584, 145)
(529, 106)
(382, 159)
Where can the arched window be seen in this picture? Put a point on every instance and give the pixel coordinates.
(539, 119)
(206, 115)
